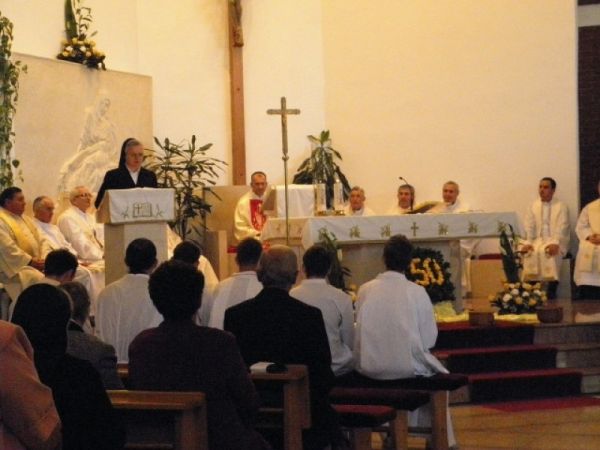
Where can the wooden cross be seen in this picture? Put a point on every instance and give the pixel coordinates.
(236, 89)
(283, 112)
(414, 229)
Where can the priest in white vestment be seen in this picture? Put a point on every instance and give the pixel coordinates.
(124, 306)
(395, 327)
(242, 285)
(22, 248)
(406, 200)
(91, 276)
(451, 204)
(356, 203)
(335, 305)
(587, 264)
(249, 218)
(546, 237)
(80, 228)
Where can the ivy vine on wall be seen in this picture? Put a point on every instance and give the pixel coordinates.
(9, 94)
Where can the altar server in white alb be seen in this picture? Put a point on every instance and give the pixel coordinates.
(587, 264)
(356, 203)
(406, 200)
(395, 327)
(242, 285)
(249, 218)
(80, 228)
(335, 305)
(124, 306)
(546, 237)
(22, 248)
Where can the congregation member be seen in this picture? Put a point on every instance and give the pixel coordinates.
(547, 237)
(406, 200)
(277, 328)
(88, 419)
(59, 267)
(86, 346)
(587, 264)
(335, 305)
(80, 228)
(395, 326)
(249, 218)
(22, 248)
(28, 416)
(130, 173)
(356, 203)
(124, 306)
(91, 276)
(191, 253)
(242, 285)
(452, 204)
(178, 355)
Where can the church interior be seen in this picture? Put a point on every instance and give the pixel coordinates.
(485, 93)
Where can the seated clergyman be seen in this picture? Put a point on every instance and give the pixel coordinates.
(356, 203)
(406, 200)
(249, 218)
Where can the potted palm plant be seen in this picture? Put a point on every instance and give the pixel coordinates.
(321, 167)
(186, 168)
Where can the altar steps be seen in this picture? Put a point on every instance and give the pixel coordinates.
(515, 361)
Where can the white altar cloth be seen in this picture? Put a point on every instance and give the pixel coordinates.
(417, 227)
(137, 205)
(301, 200)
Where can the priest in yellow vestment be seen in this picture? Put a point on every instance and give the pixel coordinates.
(22, 249)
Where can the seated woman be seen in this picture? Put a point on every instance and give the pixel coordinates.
(88, 419)
(181, 356)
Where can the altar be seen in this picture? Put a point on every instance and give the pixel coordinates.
(361, 238)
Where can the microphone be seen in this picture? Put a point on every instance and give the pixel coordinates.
(403, 179)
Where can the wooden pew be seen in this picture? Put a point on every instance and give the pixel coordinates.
(163, 420)
(295, 411)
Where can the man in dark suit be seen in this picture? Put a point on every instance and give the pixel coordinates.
(130, 173)
(87, 346)
(276, 327)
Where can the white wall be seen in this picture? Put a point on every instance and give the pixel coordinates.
(483, 93)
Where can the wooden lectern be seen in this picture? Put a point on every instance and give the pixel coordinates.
(129, 214)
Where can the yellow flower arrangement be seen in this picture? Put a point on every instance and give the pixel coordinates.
(429, 270)
(519, 298)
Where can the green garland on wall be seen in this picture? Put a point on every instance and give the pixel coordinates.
(9, 95)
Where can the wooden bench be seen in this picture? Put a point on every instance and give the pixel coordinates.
(162, 420)
(295, 410)
(437, 386)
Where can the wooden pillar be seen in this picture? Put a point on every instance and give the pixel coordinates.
(236, 71)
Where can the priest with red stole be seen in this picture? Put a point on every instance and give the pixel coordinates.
(249, 218)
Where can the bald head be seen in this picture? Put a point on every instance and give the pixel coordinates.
(43, 209)
(278, 267)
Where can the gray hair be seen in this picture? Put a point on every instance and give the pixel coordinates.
(359, 189)
(75, 192)
(37, 203)
(278, 267)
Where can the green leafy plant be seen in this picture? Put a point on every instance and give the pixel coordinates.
(321, 167)
(186, 168)
(428, 269)
(511, 260)
(9, 95)
(337, 272)
(78, 47)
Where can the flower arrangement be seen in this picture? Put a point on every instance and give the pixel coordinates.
(77, 47)
(519, 298)
(428, 269)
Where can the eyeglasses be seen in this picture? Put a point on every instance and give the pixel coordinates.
(87, 195)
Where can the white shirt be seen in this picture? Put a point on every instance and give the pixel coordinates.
(336, 307)
(125, 310)
(397, 209)
(364, 211)
(395, 328)
(134, 175)
(80, 229)
(230, 292)
(445, 208)
(55, 237)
